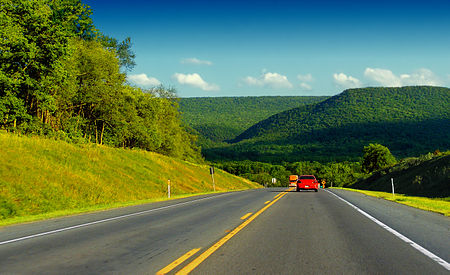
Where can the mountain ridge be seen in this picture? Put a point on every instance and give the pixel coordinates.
(412, 120)
(220, 119)
(332, 106)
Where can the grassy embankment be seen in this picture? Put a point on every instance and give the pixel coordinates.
(42, 178)
(439, 205)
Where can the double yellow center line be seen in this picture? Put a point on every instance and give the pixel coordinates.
(177, 262)
(197, 261)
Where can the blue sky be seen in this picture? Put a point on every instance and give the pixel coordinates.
(248, 48)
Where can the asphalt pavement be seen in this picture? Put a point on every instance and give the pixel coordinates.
(286, 233)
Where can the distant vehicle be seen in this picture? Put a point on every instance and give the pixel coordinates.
(307, 182)
(293, 180)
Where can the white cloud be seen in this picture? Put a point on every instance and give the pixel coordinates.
(383, 77)
(345, 81)
(143, 80)
(305, 78)
(305, 86)
(273, 80)
(196, 61)
(195, 80)
(386, 77)
(421, 77)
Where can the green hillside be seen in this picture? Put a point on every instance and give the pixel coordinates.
(47, 177)
(408, 120)
(220, 119)
(426, 176)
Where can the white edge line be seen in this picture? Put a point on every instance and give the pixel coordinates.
(424, 251)
(104, 220)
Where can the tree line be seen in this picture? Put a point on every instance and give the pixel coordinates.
(63, 78)
(335, 173)
(339, 174)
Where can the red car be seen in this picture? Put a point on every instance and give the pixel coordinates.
(307, 182)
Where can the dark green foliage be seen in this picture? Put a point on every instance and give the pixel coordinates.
(338, 174)
(376, 157)
(408, 120)
(257, 171)
(428, 176)
(34, 36)
(62, 78)
(334, 173)
(220, 119)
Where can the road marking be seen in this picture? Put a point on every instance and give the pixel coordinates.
(246, 216)
(105, 220)
(424, 251)
(192, 265)
(177, 262)
(278, 195)
(266, 202)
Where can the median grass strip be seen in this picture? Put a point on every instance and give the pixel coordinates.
(438, 205)
(42, 178)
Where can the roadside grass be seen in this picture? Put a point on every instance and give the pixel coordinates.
(92, 209)
(438, 205)
(43, 178)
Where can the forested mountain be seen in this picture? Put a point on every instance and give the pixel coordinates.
(408, 120)
(220, 119)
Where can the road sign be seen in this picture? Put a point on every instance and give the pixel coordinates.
(274, 180)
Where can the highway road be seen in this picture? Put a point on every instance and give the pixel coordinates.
(264, 231)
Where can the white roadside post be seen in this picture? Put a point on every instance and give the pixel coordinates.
(168, 188)
(211, 171)
(393, 193)
(274, 180)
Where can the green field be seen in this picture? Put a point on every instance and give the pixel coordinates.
(43, 177)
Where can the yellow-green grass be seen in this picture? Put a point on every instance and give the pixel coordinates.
(438, 205)
(42, 178)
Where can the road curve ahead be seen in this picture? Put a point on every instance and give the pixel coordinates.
(265, 231)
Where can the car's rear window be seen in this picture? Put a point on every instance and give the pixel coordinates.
(307, 178)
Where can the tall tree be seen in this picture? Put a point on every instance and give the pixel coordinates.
(34, 36)
(98, 86)
(123, 50)
(58, 74)
(376, 157)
